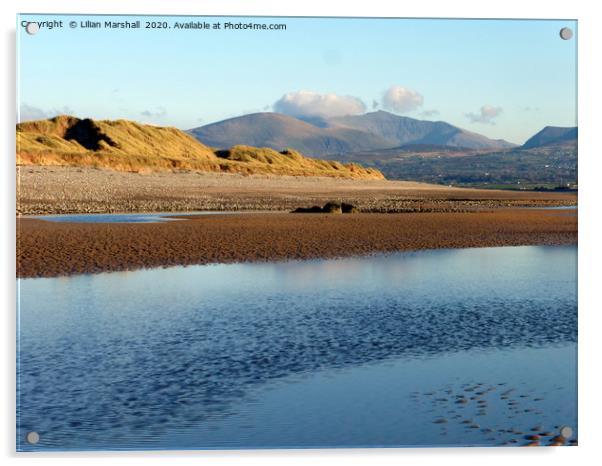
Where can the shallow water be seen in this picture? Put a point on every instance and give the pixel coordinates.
(375, 351)
(106, 218)
(559, 207)
(169, 216)
(130, 218)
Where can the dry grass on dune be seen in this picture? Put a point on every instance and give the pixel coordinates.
(120, 137)
(129, 146)
(270, 161)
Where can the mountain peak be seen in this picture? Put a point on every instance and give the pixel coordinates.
(552, 135)
(383, 114)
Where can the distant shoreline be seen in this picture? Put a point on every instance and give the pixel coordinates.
(51, 249)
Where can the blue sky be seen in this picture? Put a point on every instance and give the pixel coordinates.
(502, 78)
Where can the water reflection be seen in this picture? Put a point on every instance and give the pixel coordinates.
(107, 357)
(130, 217)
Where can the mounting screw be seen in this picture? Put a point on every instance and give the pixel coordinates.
(32, 28)
(566, 33)
(32, 437)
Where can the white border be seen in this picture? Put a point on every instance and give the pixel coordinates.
(590, 173)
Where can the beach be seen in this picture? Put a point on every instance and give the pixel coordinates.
(48, 249)
(297, 234)
(57, 190)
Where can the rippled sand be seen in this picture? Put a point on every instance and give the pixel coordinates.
(53, 249)
(470, 405)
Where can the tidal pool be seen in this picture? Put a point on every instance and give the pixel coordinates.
(431, 348)
(133, 218)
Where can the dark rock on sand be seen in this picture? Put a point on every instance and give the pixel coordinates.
(349, 208)
(329, 208)
(308, 210)
(332, 208)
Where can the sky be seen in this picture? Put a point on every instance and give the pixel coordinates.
(506, 79)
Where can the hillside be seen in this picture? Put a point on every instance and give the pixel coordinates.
(405, 130)
(552, 135)
(279, 131)
(129, 146)
(339, 136)
(550, 167)
(409, 150)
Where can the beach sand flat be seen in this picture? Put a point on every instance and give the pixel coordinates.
(48, 190)
(47, 249)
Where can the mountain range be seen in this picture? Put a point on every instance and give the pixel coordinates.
(371, 145)
(547, 160)
(322, 137)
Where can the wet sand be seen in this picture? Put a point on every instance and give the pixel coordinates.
(468, 405)
(48, 249)
(55, 190)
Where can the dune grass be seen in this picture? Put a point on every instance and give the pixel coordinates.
(129, 146)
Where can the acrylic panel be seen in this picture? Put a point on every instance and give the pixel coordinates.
(295, 232)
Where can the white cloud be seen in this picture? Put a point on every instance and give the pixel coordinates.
(29, 112)
(401, 99)
(487, 114)
(309, 103)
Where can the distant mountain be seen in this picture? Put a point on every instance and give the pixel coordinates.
(404, 131)
(131, 146)
(552, 135)
(279, 131)
(320, 137)
(548, 160)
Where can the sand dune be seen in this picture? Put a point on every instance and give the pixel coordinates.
(129, 146)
